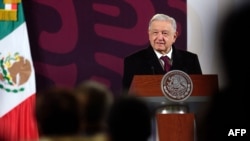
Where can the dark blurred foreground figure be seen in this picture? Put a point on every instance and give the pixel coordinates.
(129, 120)
(95, 100)
(227, 110)
(57, 114)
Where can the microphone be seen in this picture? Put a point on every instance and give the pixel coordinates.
(153, 69)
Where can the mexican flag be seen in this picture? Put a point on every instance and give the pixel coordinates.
(17, 78)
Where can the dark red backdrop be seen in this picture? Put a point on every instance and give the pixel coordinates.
(75, 40)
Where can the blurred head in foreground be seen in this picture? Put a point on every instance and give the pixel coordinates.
(227, 109)
(57, 112)
(95, 100)
(129, 119)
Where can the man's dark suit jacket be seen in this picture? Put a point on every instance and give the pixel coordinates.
(145, 62)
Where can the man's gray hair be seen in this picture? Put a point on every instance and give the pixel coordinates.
(163, 17)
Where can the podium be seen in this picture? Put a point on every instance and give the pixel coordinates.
(175, 126)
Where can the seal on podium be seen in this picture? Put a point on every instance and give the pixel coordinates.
(176, 85)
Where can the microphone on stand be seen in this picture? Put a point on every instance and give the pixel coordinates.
(153, 69)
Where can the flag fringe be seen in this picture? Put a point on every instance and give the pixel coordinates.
(8, 15)
(11, 1)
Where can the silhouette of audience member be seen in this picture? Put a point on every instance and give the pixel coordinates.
(227, 110)
(129, 119)
(57, 113)
(95, 100)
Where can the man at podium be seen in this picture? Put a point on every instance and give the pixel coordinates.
(162, 33)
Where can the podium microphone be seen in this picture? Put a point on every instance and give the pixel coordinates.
(153, 69)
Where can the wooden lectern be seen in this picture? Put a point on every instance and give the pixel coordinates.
(174, 127)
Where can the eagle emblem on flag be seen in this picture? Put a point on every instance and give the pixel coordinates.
(15, 70)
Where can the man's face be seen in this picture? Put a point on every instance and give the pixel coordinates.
(162, 36)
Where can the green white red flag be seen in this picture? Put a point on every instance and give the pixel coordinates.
(17, 76)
